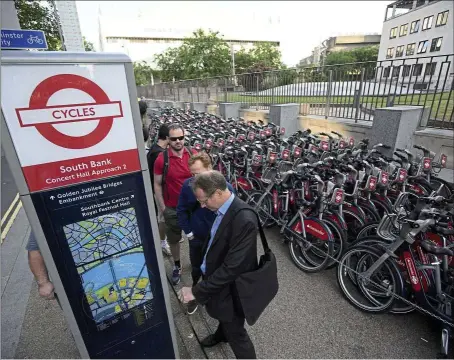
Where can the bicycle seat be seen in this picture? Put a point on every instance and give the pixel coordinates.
(436, 250)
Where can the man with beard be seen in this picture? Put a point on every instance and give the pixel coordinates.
(171, 169)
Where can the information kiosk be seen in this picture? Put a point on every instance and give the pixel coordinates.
(72, 135)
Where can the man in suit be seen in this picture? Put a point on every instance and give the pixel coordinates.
(230, 251)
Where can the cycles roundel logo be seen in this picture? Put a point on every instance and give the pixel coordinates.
(43, 117)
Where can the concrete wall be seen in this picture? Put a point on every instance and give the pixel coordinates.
(348, 128)
(439, 141)
(255, 115)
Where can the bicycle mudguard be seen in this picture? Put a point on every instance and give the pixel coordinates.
(384, 200)
(357, 209)
(338, 220)
(315, 227)
(244, 183)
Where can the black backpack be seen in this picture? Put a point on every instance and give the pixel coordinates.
(152, 155)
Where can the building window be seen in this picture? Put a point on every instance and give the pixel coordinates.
(427, 23)
(436, 44)
(417, 70)
(414, 28)
(393, 33)
(400, 51)
(390, 53)
(430, 69)
(442, 18)
(406, 70)
(422, 46)
(403, 30)
(411, 49)
(386, 71)
(396, 71)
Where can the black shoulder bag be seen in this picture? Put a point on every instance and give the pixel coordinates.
(258, 288)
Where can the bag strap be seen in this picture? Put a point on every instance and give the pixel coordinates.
(266, 248)
(166, 169)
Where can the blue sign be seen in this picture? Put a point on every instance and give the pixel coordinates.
(100, 237)
(23, 39)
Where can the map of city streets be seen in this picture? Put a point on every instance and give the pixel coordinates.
(109, 258)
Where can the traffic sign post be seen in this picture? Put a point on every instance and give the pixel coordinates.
(72, 135)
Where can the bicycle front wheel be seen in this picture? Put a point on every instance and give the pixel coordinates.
(310, 254)
(374, 294)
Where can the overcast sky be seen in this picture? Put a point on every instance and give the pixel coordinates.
(302, 24)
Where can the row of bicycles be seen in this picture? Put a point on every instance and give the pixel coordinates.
(380, 216)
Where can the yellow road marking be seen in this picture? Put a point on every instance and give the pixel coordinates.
(10, 221)
(11, 207)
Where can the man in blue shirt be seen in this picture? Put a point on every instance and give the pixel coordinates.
(195, 221)
(230, 251)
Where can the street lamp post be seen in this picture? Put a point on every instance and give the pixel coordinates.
(232, 52)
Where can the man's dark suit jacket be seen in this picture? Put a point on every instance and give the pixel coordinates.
(232, 253)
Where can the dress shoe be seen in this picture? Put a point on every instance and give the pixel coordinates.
(211, 340)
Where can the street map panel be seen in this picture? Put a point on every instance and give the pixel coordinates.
(108, 254)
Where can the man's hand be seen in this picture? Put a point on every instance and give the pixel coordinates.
(162, 208)
(46, 290)
(185, 295)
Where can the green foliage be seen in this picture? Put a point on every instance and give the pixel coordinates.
(312, 73)
(207, 54)
(88, 45)
(39, 15)
(347, 65)
(202, 55)
(362, 54)
(143, 73)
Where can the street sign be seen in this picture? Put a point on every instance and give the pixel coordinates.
(23, 39)
(71, 131)
(78, 117)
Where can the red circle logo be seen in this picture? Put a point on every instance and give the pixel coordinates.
(53, 84)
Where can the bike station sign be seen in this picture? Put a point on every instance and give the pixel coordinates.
(23, 39)
(78, 117)
(70, 131)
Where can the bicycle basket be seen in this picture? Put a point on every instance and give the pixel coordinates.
(405, 200)
(285, 166)
(269, 175)
(387, 229)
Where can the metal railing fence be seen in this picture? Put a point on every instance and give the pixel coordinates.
(351, 91)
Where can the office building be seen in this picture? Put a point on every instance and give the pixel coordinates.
(142, 37)
(340, 43)
(417, 44)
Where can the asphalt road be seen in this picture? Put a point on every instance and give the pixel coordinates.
(309, 318)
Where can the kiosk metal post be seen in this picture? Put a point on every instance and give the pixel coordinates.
(72, 135)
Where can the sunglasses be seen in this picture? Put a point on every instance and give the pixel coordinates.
(181, 138)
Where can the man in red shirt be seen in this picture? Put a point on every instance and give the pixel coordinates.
(167, 193)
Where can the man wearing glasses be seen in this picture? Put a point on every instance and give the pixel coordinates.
(168, 181)
(195, 219)
(230, 251)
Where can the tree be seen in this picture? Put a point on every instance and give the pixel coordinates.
(256, 65)
(143, 73)
(88, 45)
(39, 15)
(262, 55)
(347, 64)
(201, 55)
